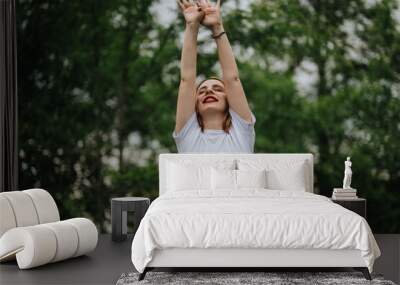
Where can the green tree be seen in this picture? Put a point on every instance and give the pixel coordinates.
(352, 109)
(99, 79)
(91, 74)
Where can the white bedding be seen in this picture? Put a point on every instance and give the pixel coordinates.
(251, 218)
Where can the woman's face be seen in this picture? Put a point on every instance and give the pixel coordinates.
(211, 96)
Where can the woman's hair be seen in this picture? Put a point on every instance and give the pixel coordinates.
(227, 123)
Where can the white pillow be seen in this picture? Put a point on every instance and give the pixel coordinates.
(292, 179)
(280, 174)
(228, 179)
(187, 174)
(251, 178)
(181, 178)
(223, 179)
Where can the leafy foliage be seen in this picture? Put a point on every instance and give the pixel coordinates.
(98, 86)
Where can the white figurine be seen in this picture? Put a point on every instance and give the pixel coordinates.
(347, 174)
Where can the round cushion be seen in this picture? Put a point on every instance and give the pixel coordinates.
(23, 208)
(67, 240)
(87, 233)
(7, 220)
(33, 246)
(40, 244)
(45, 205)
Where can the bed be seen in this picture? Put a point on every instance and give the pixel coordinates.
(247, 210)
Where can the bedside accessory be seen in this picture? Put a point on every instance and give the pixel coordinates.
(357, 205)
(345, 193)
(347, 174)
(31, 231)
(119, 209)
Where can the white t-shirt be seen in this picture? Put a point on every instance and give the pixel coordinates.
(241, 137)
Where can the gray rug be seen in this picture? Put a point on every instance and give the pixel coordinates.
(231, 278)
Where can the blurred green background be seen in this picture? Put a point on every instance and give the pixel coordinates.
(98, 85)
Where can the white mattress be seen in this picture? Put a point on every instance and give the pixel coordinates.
(252, 218)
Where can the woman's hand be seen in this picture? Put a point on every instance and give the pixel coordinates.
(192, 12)
(212, 18)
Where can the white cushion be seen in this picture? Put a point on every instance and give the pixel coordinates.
(87, 233)
(290, 179)
(23, 208)
(32, 246)
(281, 174)
(183, 178)
(67, 240)
(40, 244)
(45, 205)
(223, 179)
(26, 208)
(7, 218)
(186, 175)
(251, 178)
(265, 159)
(228, 179)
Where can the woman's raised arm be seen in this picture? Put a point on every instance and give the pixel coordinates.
(186, 96)
(234, 89)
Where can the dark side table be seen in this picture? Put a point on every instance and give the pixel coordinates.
(119, 209)
(358, 205)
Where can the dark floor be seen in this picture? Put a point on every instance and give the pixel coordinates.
(103, 266)
(111, 259)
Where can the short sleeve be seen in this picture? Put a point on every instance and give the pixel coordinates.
(242, 123)
(190, 124)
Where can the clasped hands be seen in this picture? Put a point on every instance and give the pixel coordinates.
(201, 12)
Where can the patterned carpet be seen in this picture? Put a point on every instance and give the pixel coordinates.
(232, 278)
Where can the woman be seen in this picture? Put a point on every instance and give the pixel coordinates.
(215, 115)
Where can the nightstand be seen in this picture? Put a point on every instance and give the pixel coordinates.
(119, 209)
(358, 205)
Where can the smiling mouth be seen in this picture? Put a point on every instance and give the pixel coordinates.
(210, 99)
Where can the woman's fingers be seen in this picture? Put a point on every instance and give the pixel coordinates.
(180, 4)
(209, 10)
(187, 3)
(201, 12)
(198, 4)
(203, 4)
(218, 4)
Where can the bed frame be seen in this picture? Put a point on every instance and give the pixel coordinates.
(246, 258)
